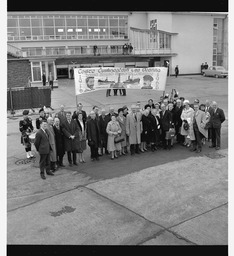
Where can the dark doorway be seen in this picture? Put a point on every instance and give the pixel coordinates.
(62, 73)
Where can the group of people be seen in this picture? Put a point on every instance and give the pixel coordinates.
(204, 66)
(127, 48)
(156, 126)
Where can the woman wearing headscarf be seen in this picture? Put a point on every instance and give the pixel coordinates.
(113, 129)
(186, 117)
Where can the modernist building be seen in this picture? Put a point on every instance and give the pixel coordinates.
(57, 41)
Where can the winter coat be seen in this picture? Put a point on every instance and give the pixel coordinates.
(134, 128)
(68, 130)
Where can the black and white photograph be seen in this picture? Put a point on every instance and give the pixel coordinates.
(117, 127)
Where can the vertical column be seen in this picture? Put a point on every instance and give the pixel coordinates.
(55, 71)
(46, 70)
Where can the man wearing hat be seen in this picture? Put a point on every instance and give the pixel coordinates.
(40, 118)
(147, 80)
(26, 127)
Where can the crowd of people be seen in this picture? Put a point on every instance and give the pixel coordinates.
(134, 130)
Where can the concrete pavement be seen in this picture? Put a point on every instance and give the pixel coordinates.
(160, 198)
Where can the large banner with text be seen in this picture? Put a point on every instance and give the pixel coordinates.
(90, 79)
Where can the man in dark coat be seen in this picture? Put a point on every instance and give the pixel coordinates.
(177, 121)
(155, 132)
(93, 136)
(210, 110)
(216, 119)
(42, 145)
(103, 121)
(165, 123)
(71, 138)
(59, 139)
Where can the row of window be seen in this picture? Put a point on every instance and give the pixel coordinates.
(217, 42)
(108, 26)
(103, 49)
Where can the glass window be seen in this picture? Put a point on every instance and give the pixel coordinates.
(113, 22)
(36, 74)
(123, 22)
(82, 22)
(60, 31)
(48, 22)
(215, 32)
(49, 31)
(71, 22)
(114, 32)
(25, 31)
(12, 31)
(122, 32)
(60, 22)
(93, 22)
(12, 23)
(24, 22)
(103, 22)
(37, 31)
(36, 22)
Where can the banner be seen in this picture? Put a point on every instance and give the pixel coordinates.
(90, 79)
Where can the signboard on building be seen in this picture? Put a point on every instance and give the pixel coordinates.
(102, 78)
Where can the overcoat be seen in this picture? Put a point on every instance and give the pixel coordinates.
(217, 118)
(59, 140)
(134, 128)
(200, 117)
(93, 132)
(41, 143)
(187, 114)
(113, 127)
(146, 128)
(165, 120)
(122, 124)
(53, 153)
(102, 125)
(68, 130)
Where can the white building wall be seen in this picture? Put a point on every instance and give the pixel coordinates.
(164, 20)
(138, 20)
(194, 42)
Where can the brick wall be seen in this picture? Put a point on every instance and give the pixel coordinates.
(18, 72)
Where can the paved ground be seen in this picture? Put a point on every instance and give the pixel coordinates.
(160, 198)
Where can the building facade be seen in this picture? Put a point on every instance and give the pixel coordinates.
(59, 41)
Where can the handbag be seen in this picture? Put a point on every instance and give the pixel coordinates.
(186, 125)
(91, 143)
(207, 126)
(118, 139)
(170, 134)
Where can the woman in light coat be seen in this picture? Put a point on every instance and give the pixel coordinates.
(134, 130)
(122, 122)
(198, 124)
(187, 116)
(113, 130)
